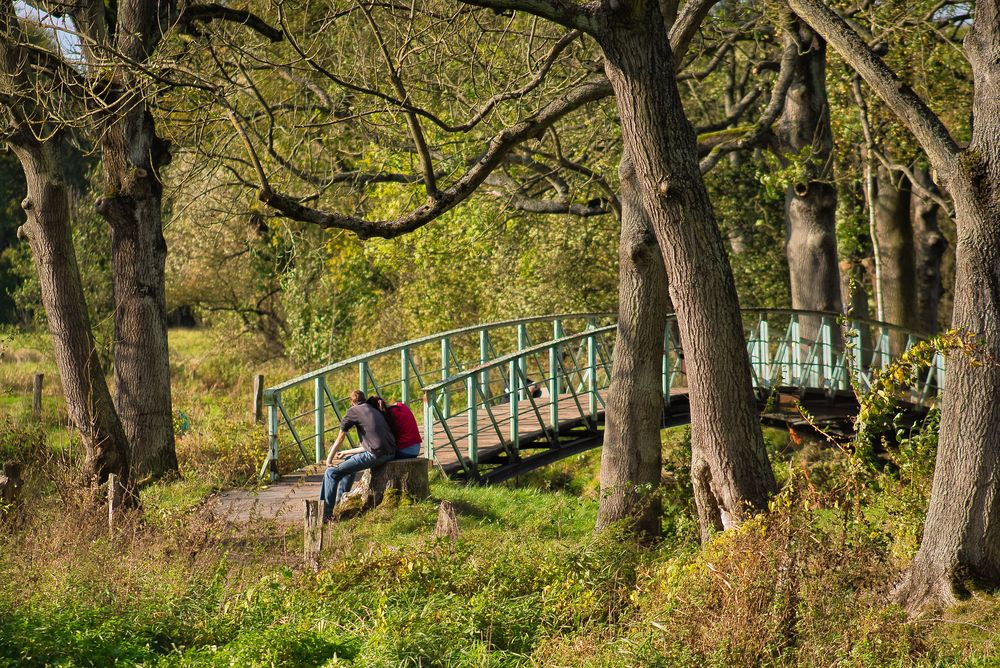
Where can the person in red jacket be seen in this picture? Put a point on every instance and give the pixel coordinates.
(403, 425)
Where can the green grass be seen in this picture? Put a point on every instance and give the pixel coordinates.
(527, 583)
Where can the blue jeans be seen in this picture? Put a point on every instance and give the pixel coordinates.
(338, 479)
(408, 452)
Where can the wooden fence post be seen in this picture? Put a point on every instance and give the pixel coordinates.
(36, 396)
(313, 533)
(113, 498)
(258, 399)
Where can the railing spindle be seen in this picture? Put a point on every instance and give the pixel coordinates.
(473, 400)
(592, 377)
(445, 372)
(404, 375)
(319, 401)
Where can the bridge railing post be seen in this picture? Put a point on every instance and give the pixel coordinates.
(319, 401)
(429, 450)
(272, 441)
(858, 352)
(592, 377)
(514, 394)
(760, 355)
(445, 372)
(484, 357)
(939, 371)
(883, 348)
(472, 383)
(522, 343)
(363, 376)
(555, 378)
(404, 375)
(826, 341)
(793, 352)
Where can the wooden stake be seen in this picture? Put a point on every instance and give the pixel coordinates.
(36, 396)
(258, 399)
(313, 532)
(447, 524)
(112, 500)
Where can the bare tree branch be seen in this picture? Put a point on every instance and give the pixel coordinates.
(687, 24)
(459, 191)
(193, 14)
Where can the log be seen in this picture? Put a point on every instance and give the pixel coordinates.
(392, 481)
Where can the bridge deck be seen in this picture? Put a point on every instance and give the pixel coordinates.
(493, 439)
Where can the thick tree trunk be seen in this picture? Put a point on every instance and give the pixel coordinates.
(132, 156)
(810, 204)
(896, 253)
(630, 458)
(961, 540)
(730, 470)
(47, 230)
(929, 247)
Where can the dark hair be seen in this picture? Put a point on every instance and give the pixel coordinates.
(357, 397)
(378, 403)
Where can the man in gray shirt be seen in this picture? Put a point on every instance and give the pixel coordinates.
(378, 446)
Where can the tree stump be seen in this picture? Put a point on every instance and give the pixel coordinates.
(447, 524)
(388, 482)
(10, 482)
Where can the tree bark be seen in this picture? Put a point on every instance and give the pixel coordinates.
(929, 246)
(810, 203)
(961, 539)
(730, 470)
(88, 400)
(897, 259)
(631, 456)
(132, 156)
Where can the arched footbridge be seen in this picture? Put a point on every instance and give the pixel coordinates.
(499, 399)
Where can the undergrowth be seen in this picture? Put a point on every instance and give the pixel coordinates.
(527, 583)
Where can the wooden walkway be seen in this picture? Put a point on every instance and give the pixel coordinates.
(493, 433)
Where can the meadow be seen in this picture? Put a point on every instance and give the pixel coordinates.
(527, 583)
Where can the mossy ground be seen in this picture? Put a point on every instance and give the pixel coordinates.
(527, 582)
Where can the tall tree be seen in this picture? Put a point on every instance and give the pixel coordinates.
(810, 202)
(42, 148)
(630, 457)
(132, 155)
(961, 536)
(896, 253)
(102, 96)
(930, 246)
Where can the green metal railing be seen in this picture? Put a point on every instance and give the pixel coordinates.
(497, 387)
(303, 410)
(788, 349)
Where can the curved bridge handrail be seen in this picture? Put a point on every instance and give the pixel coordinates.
(545, 346)
(511, 357)
(836, 315)
(430, 338)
